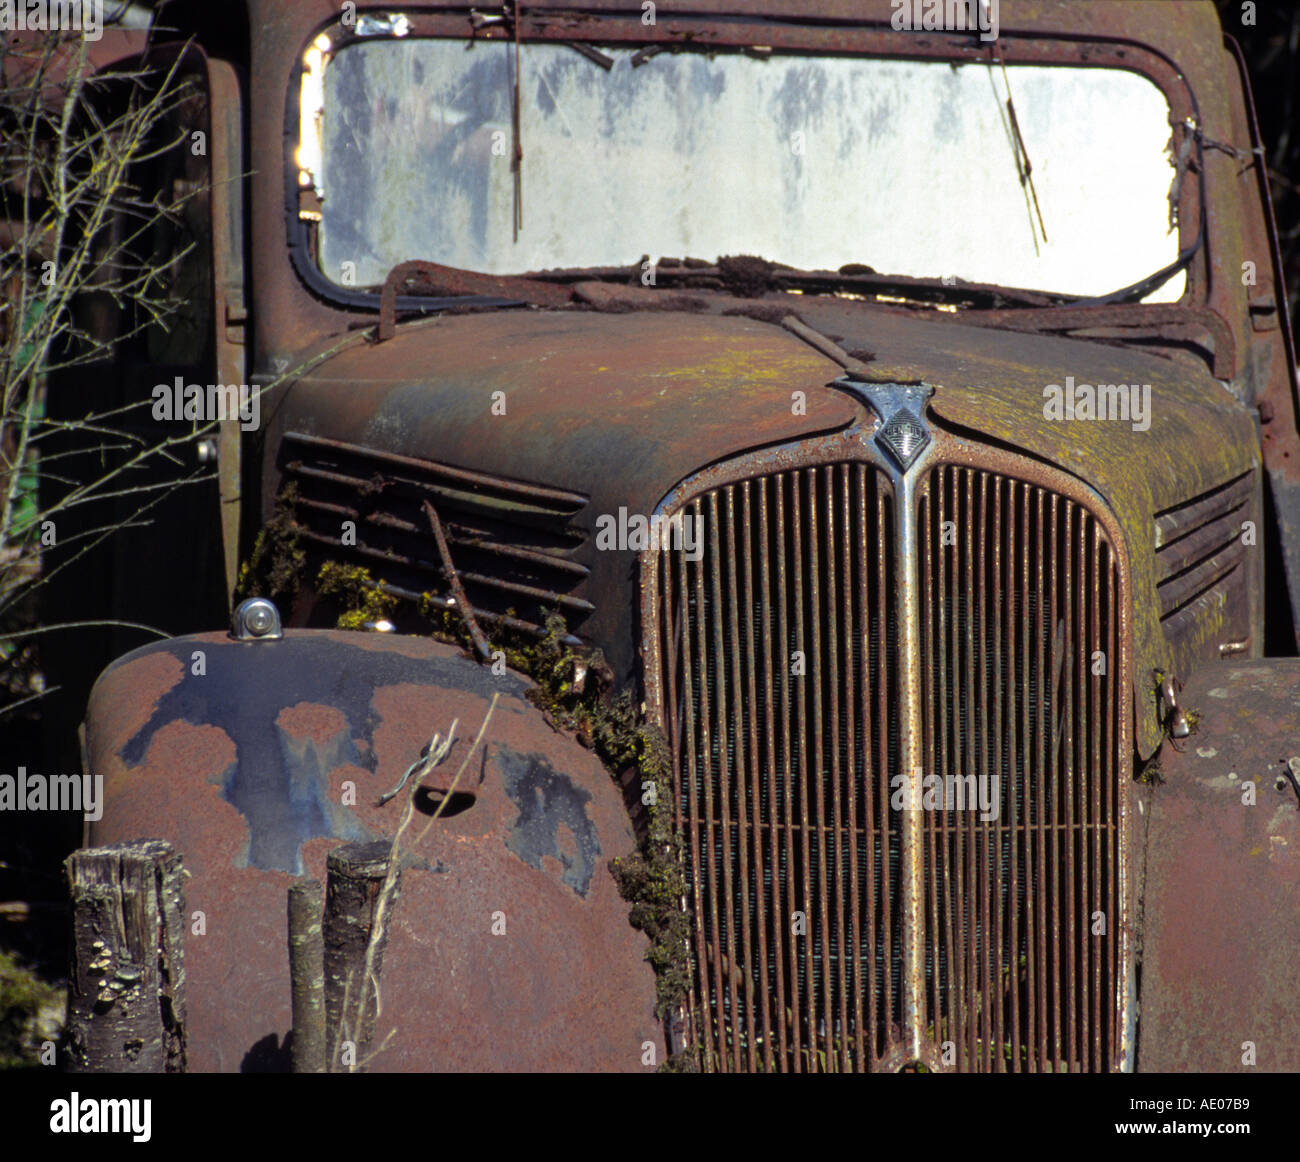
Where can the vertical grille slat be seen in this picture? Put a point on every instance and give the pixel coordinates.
(837, 1006)
(855, 600)
(998, 770)
(1043, 675)
(720, 803)
(779, 681)
(755, 930)
(884, 897)
(1069, 666)
(772, 653)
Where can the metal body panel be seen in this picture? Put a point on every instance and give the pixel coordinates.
(633, 410)
(1222, 902)
(243, 768)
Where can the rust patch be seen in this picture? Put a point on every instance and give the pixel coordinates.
(311, 720)
(127, 704)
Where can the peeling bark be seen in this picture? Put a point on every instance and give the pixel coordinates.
(307, 976)
(126, 995)
(356, 875)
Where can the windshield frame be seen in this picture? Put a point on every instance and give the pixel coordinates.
(757, 36)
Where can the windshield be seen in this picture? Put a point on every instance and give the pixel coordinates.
(908, 167)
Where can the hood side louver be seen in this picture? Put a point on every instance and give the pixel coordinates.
(1200, 549)
(511, 542)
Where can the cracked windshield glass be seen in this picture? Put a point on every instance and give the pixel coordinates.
(816, 162)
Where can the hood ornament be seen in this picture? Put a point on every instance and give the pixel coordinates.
(903, 431)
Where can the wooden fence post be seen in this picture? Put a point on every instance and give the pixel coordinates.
(126, 989)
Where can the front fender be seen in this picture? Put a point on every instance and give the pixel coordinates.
(509, 946)
(1222, 900)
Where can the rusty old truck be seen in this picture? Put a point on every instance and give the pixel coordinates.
(834, 477)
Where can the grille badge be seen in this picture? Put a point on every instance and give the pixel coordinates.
(904, 437)
(903, 431)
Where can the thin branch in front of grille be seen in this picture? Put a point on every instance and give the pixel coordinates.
(457, 589)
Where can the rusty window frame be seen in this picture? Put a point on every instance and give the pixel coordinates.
(703, 33)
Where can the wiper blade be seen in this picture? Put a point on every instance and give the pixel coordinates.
(744, 276)
(751, 277)
(592, 53)
(1136, 292)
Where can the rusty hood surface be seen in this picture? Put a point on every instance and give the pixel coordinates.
(586, 401)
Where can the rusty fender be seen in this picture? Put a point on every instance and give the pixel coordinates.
(1223, 879)
(510, 946)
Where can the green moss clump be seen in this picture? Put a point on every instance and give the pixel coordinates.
(1150, 774)
(363, 600)
(447, 625)
(680, 1063)
(652, 880)
(26, 1004)
(274, 569)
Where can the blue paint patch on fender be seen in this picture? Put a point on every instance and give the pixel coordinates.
(548, 800)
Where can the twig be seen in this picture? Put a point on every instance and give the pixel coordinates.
(388, 892)
(429, 758)
(457, 589)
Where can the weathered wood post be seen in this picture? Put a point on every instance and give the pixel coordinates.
(356, 875)
(307, 977)
(126, 989)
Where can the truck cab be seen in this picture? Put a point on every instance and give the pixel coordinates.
(849, 463)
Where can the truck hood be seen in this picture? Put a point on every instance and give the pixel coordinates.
(622, 407)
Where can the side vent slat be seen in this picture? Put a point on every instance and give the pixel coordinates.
(1199, 547)
(512, 542)
(1215, 505)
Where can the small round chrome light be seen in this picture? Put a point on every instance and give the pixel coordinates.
(256, 619)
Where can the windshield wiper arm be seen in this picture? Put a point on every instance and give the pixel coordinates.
(592, 53)
(749, 277)
(430, 278)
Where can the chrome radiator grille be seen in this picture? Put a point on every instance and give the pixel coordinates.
(776, 662)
